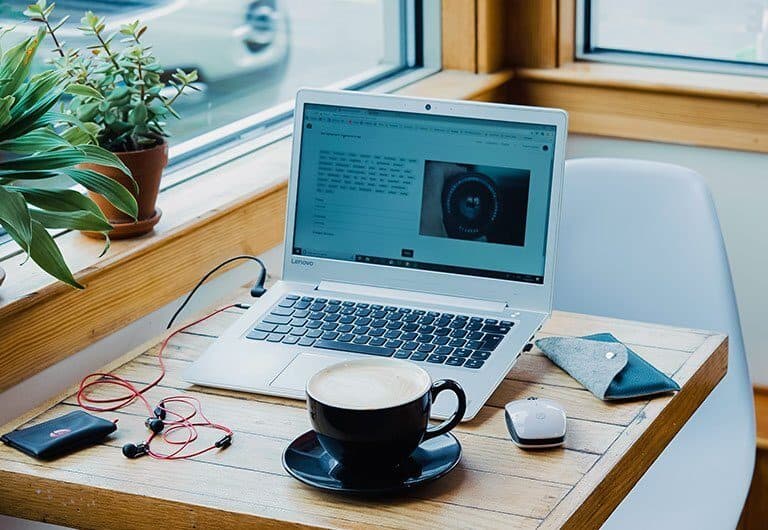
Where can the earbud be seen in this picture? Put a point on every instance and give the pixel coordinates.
(257, 291)
(135, 450)
(155, 425)
(159, 411)
(225, 442)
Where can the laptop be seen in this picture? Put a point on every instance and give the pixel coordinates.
(417, 229)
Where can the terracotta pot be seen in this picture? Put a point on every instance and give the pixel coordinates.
(147, 167)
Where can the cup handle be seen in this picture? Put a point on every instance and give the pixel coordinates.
(453, 421)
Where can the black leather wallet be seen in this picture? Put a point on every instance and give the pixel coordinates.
(60, 436)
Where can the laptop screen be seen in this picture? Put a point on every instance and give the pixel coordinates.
(438, 193)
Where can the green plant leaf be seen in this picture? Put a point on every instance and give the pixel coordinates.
(11, 175)
(14, 216)
(53, 117)
(5, 109)
(47, 255)
(107, 244)
(59, 24)
(112, 190)
(16, 62)
(173, 112)
(38, 140)
(99, 155)
(87, 111)
(85, 91)
(138, 114)
(64, 158)
(50, 160)
(58, 200)
(78, 136)
(29, 111)
(119, 93)
(33, 10)
(78, 220)
(38, 92)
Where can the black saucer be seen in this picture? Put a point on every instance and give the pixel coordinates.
(306, 460)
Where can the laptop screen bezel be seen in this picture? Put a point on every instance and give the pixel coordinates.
(520, 295)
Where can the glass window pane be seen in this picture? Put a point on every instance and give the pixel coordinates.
(733, 30)
(251, 54)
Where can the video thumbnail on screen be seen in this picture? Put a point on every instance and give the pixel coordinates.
(475, 202)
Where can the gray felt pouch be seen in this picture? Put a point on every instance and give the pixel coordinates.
(606, 366)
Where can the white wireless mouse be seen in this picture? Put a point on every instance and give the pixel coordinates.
(535, 423)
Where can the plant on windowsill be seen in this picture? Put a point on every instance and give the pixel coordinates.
(38, 149)
(119, 89)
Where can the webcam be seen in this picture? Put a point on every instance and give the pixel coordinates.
(428, 106)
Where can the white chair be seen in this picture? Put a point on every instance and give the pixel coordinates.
(641, 240)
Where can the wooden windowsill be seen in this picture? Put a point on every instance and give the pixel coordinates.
(653, 104)
(663, 80)
(236, 208)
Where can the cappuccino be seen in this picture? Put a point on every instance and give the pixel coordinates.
(369, 384)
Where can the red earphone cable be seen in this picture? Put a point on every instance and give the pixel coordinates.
(182, 421)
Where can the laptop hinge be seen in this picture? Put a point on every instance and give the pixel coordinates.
(469, 304)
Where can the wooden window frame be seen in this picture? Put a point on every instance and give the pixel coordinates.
(641, 103)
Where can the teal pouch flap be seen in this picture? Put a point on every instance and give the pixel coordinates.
(606, 366)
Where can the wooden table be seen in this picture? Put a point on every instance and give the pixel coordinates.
(608, 448)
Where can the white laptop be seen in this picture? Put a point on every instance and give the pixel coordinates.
(417, 229)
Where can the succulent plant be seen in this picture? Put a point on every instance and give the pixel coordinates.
(118, 87)
(38, 144)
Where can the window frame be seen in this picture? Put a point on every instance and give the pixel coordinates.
(584, 50)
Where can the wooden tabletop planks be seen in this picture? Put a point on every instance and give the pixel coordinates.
(608, 448)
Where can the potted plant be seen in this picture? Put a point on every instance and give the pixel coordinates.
(120, 89)
(40, 148)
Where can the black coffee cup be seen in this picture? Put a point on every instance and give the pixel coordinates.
(363, 419)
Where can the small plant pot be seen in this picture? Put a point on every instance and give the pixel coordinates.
(147, 166)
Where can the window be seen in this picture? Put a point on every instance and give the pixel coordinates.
(710, 35)
(252, 55)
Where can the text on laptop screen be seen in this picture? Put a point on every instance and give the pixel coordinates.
(439, 193)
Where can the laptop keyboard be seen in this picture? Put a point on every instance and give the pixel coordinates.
(387, 331)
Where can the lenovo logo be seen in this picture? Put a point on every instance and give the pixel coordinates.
(303, 262)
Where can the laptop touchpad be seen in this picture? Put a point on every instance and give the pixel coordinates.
(305, 365)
